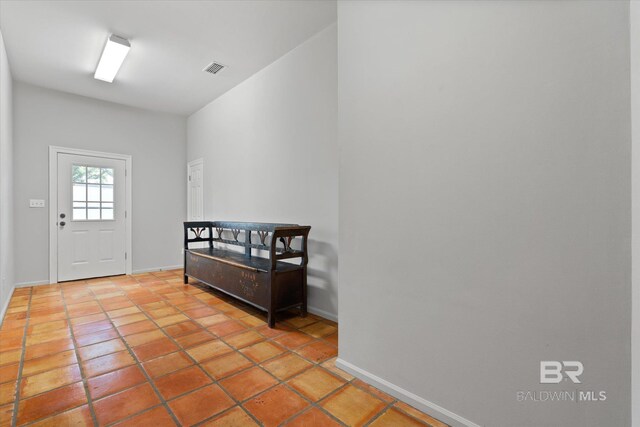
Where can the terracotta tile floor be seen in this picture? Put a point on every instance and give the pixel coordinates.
(146, 350)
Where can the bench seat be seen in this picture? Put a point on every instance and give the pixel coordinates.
(238, 259)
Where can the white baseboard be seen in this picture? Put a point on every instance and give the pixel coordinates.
(406, 396)
(5, 306)
(322, 313)
(34, 283)
(149, 270)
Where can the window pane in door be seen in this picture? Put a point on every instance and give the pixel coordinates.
(79, 211)
(93, 193)
(107, 213)
(93, 175)
(79, 173)
(79, 214)
(107, 193)
(93, 213)
(79, 192)
(107, 176)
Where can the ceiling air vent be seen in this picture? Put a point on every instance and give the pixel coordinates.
(213, 68)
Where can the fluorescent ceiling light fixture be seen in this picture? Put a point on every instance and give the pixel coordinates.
(112, 57)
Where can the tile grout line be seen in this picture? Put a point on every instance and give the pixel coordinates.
(85, 382)
(144, 411)
(314, 365)
(78, 362)
(413, 416)
(41, 372)
(283, 382)
(14, 417)
(238, 403)
(37, 373)
(258, 364)
(197, 363)
(221, 414)
(280, 382)
(138, 363)
(379, 414)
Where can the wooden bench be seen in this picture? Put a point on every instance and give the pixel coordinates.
(267, 283)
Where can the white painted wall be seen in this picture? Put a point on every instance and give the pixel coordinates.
(156, 141)
(485, 208)
(6, 181)
(270, 154)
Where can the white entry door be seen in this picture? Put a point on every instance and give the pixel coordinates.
(91, 217)
(195, 193)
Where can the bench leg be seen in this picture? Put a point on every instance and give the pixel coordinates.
(186, 279)
(271, 319)
(271, 308)
(303, 306)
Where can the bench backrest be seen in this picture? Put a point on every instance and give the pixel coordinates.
(275, 238)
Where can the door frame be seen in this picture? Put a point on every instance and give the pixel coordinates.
(53, 204)
(192, 163)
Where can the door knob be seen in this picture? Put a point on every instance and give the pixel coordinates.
(62, 223)
(62, 215)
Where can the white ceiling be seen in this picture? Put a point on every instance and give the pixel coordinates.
(57, 44)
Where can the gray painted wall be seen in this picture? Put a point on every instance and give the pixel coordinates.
(156, 141)
(635, 120)
(485, 208)
(270, 154)
(6, 181)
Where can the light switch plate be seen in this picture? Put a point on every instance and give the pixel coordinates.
(36, 203)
